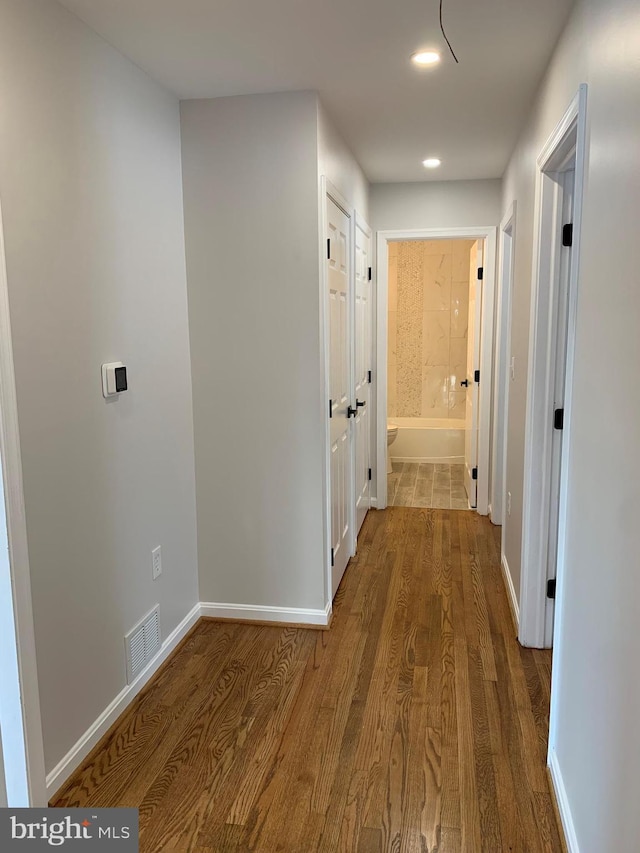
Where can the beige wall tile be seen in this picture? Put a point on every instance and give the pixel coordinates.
(437, 282)
(428, 318)
(461, 260)
(392, 350)
(433, 247)
(457, 404)
(435, 338)
(392, 284)
(391, 391)
(459, 310)
(435, 392)
(457, 362)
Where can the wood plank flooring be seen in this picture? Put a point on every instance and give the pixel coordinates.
(415, 724)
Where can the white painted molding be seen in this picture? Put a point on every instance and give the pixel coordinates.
(262, 613)
(563, 803)
(108, 717)
(569, 136)
(511, 592)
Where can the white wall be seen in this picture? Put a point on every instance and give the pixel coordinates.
(596, 692)
(338, 165)
(435, 204)
(90, 183)
(251, 222)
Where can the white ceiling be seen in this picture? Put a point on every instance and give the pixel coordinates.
(355, 53)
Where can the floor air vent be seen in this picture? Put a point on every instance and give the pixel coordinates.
(142, 643)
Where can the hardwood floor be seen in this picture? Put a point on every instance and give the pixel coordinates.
(416, 724)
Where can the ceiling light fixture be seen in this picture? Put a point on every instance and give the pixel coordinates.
(425, 57)
(431, 163)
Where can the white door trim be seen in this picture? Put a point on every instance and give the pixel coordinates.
(568, 136)
(19, 554)
(359, 222)
(383, 238)
(504, 288)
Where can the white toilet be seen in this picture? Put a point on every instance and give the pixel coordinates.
(392, 434)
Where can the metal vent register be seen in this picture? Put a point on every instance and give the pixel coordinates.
(142, 643)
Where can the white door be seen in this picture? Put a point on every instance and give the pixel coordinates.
(362, 372)
(340, 380)
(473, 365)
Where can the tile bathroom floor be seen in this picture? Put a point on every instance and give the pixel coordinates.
(426, 484)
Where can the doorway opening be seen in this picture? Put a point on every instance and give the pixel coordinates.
(434, 344)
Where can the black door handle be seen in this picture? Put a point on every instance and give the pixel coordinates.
(351, 412)
(465, 383)
(360, 403)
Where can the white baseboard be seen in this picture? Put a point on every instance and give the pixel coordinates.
(563, 804)
(374, 503)
(107, 718)
(438, 460)
(511, 593)
(262, 613)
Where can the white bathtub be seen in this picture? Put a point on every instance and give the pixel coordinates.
(428, 440)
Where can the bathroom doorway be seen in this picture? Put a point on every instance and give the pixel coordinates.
(435, 324)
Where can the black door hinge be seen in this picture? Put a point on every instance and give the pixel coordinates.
(476, 376)
(551, 588)
(567, 234)
(330, 408)
(369, 473)
(474, 474)
(369, 273)
(558, 419)
(328, 248)
(480, 273)
(369, 377)
(332, 558)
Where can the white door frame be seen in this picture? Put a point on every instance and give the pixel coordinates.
(22, 697)
(504, 289)
(359, 222)
(383, 238)
(569, 137)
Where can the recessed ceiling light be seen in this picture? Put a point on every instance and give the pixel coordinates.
(425, 57)
(431, 163)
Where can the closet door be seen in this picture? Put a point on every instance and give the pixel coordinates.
(363, 304)
(341, 413)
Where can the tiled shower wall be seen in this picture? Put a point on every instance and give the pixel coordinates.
(428, 317)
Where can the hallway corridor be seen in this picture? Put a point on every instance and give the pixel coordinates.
(416, 723)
